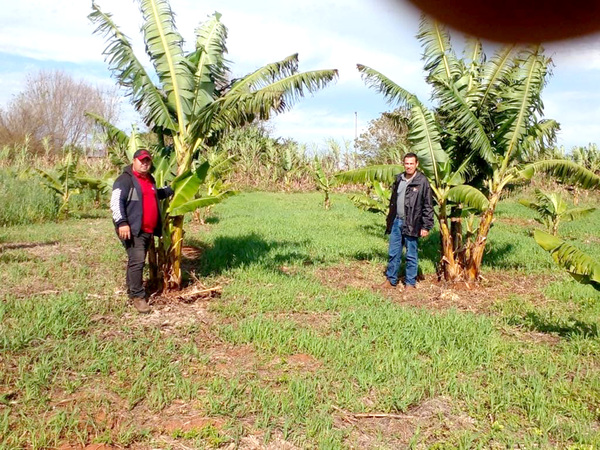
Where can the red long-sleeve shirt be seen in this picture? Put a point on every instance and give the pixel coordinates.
(149, 203)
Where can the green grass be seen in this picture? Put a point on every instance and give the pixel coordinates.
(24, 201)
(283, 355)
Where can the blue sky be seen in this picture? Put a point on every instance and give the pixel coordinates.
(326, 33)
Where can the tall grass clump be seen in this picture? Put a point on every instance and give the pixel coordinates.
(24, 201)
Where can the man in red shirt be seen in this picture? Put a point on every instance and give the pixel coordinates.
(136, 216)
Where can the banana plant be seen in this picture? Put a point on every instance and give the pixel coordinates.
(588, 157)
(220, 166)
(63, 181)
(552, 209)
(187, 196)
(100, 186)
(323, 182)
(190, 195)
(577, 263)
(445, 175)
(194, 102)
(375, 200)
(486, 113)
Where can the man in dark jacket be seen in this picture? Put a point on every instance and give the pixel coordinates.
(410, 217)
(136, 216)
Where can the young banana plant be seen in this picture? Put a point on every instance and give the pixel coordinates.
(190, 195)
(323, 182)
(376, 200)
(100, 186)
(63, 181)
(220, 165)
(552, 209)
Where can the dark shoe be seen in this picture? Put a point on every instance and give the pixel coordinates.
(141, 305)
(384, 286)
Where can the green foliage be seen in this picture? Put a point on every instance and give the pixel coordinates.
(64, 182)
(24, 202)
(577, 263)
(384, 173)
(220, 166)
(386, 138)
(323, 182)
(588, 157)
(193, 100)
(468, 197)
(566, 171)
(187, 186)
(552, 209)
(261, 161)
(377, 198)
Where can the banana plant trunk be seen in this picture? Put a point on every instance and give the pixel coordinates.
(456, 231)
(154, 278)
(449, 265)
(555, 227)
(173, 277)
(327, 202)
(477, 250)
(172, 255)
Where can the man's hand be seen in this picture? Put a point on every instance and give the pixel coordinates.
(424, 233)
(124, 232)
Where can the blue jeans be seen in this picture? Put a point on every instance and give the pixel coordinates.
(397, 242)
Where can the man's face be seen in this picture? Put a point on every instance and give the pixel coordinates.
(410, 166)
(142, 166)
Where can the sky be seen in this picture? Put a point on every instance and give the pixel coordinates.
(327, 34)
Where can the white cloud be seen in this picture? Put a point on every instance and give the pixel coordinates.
(308, 125)
(578, 113)
(579, 54)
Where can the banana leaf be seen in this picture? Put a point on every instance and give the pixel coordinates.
(566, 171)
(186, 186)
(578, 264)
(468, 196)
(385, 173)
(202, 202)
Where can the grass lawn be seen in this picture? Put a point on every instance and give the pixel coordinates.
(298, 351)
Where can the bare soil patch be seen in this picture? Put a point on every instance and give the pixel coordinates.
(34, 247)
(299, 362)
(168, 317)
(526, 223)
(439, 295)
(589, 239)
(256, 442)
(431, 418)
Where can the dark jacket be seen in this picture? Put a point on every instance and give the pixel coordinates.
(418, 206)
(126, 202)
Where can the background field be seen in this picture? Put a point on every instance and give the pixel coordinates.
(299, 350)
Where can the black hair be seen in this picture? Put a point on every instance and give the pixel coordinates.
(411, 155)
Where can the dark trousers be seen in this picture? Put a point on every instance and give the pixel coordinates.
(136, 247)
